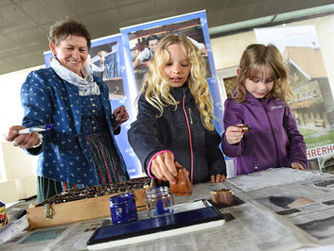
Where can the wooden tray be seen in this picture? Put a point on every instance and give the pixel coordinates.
(48, 214)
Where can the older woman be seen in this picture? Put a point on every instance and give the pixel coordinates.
(80, 149)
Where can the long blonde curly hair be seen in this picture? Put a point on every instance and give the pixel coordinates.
(157, 89)
(252, 61)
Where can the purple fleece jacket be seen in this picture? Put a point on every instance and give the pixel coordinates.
(274, 140)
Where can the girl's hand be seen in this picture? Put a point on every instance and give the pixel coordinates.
(296, 165)
(233, 135)
(163, 167)
(24, 141)
(218, 178)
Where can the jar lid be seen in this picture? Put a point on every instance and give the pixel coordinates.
(163, 189)
(121, 198)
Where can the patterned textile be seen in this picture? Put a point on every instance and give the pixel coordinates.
(102, 151)
(107, 165)
(106, 160)
(86, 85)
(65, 154)
(104, 154)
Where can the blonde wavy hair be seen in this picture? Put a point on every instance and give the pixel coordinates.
(253, 59)
(157, 89)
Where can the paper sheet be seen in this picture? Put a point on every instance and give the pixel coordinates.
(271, 177)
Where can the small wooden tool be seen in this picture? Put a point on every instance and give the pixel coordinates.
(245, 128)
(183, 185)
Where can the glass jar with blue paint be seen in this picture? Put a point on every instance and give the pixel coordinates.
(159, 201)
(123, 208)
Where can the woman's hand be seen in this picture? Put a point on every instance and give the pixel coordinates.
(233, 134)
(163, 167)
(218, 178)
(120, 116)
(25, 141)
(296, 165)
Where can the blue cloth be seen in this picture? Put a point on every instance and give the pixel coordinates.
(92, 119)
(274, 140)
(64, 155)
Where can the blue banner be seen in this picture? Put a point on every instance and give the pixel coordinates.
(124, 75)
(138, 42)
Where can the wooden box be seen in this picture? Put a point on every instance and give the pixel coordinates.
(48, 213)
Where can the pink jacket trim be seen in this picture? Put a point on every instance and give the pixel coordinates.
(150, 163)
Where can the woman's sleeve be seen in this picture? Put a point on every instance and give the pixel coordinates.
(297, 146)
(36, 103)
(143, 134)
(216, 161)
(231, 118)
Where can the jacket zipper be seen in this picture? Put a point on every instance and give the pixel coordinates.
(190, 140)
(272, 131)
(256, 167)
(190, 117)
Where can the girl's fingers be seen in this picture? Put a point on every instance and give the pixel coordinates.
(164, 164)
(218, 178)
(156, 171)
(170, 164)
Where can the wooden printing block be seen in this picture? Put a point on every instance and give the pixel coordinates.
(245, 128)
(183, 185)
(222, 197)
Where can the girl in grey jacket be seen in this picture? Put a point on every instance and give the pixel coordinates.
(175, 116)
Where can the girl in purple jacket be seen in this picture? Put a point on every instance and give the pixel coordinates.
(259, 101)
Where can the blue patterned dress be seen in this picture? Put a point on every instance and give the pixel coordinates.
(102, 149)
(73, 153)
